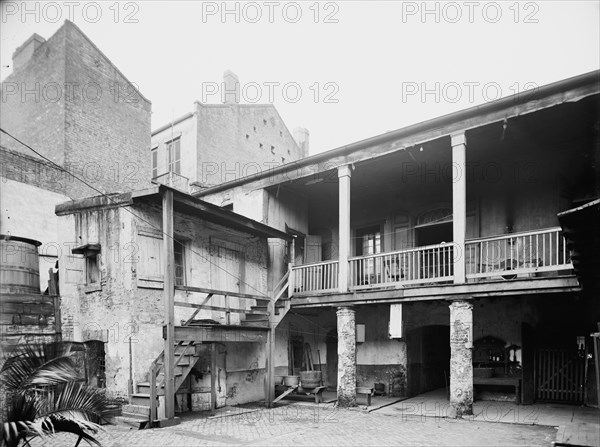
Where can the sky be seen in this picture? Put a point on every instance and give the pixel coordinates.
(345, 70)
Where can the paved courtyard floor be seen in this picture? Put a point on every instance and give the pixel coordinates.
(322, 425)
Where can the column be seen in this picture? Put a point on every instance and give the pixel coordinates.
(459, 204)
(461, 357)
(346, 330)
(344, 174)
(169, 297)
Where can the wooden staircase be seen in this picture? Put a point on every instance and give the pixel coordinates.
(260, 314)
(141, 407)
(266, 313)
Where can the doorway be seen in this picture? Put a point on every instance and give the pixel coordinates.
(435, 263)
(331, 342)
(428, 355)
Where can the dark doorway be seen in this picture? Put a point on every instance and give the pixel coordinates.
(435, 263)
(434, 234)
(332, 359)
(428, 351)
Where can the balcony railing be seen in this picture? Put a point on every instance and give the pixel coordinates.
(317, 277)
(515, 254)
(507, 256)
(174, 180)
(431, 263)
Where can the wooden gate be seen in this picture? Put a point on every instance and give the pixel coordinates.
(559, 375)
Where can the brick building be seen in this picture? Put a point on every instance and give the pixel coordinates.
(69, 102)
(216, 143)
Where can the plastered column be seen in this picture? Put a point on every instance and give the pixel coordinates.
(461, 357)
(459, 204)
(346, 330)
(344, 175)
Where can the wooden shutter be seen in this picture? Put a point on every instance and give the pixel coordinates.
(150, 262)
(74, 269)
(395, 330)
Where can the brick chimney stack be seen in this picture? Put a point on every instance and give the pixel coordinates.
(24, 53)
(301, 135)
(231, 88)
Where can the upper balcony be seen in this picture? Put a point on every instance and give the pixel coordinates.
(541, 253)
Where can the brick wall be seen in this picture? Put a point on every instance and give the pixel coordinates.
(239, 140)
(74, 107)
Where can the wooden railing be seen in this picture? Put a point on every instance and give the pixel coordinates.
(431, 263)
(317, 277)
(517, 253)
(491, 257)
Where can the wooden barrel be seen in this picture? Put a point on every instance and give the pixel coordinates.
(310, 379)
(19, 265)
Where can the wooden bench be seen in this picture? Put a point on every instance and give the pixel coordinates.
(514, 382)
(299, 392)
(367, 391)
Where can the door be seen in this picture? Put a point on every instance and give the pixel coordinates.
(368, 242)
(559, 375)
(435, 263)
(218, 376)
(313, 249)
(527, 358)
(227, 274)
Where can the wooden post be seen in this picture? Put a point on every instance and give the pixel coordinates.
(270, 365)
(459, 205)
(169, 298)
(344, 174)
(213, 376)
(596, 341)
(291, 279)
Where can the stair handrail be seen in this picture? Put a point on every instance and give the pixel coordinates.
(283, 284)
(155, 369)
(153, 393)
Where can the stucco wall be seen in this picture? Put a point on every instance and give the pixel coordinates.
(122, 309)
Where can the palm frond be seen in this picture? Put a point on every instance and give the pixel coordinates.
(43, 396)
(37, 366)
(77, 398)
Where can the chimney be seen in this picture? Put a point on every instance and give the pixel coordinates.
(231, 88)
(25, 52)
(301, 135)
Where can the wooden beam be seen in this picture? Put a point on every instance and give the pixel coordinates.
(442, 292)
(169, 298)
(222, 292)
(221, 309)
(220, 333)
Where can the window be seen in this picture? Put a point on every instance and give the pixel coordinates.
(92, 269)
(91, 255)
(368, 241)
(174, 156)
(154, 155)
(179, 249)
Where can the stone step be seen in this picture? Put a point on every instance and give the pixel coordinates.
(132, 421)
(136, 410)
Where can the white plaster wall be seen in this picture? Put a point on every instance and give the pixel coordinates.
(28, 211)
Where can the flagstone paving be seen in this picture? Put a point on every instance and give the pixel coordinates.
(299, 425)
